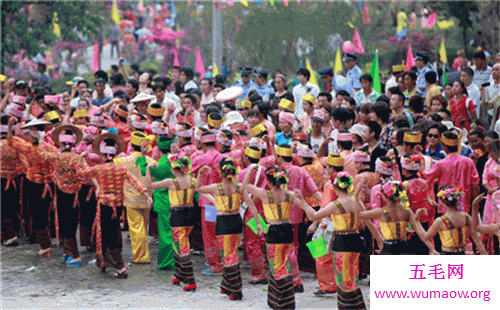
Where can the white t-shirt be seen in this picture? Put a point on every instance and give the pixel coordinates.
(316, 143)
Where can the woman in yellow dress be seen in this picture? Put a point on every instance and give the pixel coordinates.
(277, 203)
(454, 226)
(228, 197)
(181, 195)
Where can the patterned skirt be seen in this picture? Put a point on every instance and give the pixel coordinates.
(228, 230)
(182, 224)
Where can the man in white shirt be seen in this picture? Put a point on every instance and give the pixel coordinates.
(80, 86)
(466, 76)
(186, 77)
(490, 96)
(206, 91)
(304, 87)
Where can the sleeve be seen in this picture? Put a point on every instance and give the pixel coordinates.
(135, 182)
(356, 83)
(432, 173)
(326, 198)
(88, 173)
(471, 108)
(474, 176)
(19, 145)
(315, 91)
(196, 165)
(375, 199)
(309, 183)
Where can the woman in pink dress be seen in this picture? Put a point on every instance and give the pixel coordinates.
(490, 181)
(461, 107)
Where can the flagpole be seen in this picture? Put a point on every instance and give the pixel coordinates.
(216, 35)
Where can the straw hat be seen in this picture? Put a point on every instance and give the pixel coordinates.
(35, 122)
(75, 132)
(142, 97)
(120, 143)
(229, 94)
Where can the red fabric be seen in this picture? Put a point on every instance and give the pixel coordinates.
(417, 195)
(460, 113)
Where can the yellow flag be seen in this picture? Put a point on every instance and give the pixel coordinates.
(442, 53)
(114, 13)
(445, 24)
(57, 29)
(338, 62)
(244, 2)
(350, 25)
(216, 70)
(313, 75)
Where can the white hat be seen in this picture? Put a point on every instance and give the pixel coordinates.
(233, 117)
(229, 94)
(357, 129)
(35, 122)
(142, 97)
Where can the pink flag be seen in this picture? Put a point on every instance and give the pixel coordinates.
(356, 41)
(95, 58)
(298, 1)
(200, 68)
(410, 60)
(176, 60)
(366, 15)
(432, 20)
(286, 2)
(230, 3)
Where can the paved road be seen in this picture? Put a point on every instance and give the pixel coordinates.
(54, 286)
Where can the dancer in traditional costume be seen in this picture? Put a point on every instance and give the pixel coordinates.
(277, 204)
(181, 194)
(110, 178)
(493, 228)
(347, 243)
(229, 226)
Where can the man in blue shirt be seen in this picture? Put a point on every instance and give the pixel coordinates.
(260, 86)
(101, 99)
(353, 73)
(423, 66)
(245, 82)
(286, 120)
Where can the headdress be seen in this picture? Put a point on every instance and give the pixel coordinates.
(181, 162)
(384, 167)
(396, 191)
(344, 181)
(411, 163)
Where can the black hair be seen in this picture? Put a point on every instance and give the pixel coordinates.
(210, 81)
(411, 74)
(159, 85)
(101, 75)
(254, 97)
(272, 179)
(251, 159)
(135, 67)
(220, 80)
(83, 82)
(117, 79)
(231, 106)
(383, 98)
(477, 132)
(447, 112)
(118, 93)
(492, 134)
(401, 123)
(326, 94)
(375, 128)
(340, 114)
(263, 109)
(191, 97)
(228, 172)
(479, 55)
(435, 117)
(366, 77)
(440, 127)
(288, 159)
(304, 72)
(431, 77)
(218, 85)
(134, 84)
(253, 112)
(382, 111)
(343, 93)
(393, 90)
(188, 72)
(210, 144)
(42, 65)
(468, 71)
(211, 108)
(452, 136)
(115, 68)
(464, 89)
(351, 101)
(416, 103)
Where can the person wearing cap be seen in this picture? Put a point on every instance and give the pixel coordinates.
(327, 76)
(136, 204)
(211, 158)
(344, 143)
(185, 134)
(11, 168)
(353, 73)
(111, 178)
(299, 180)
(367, 94)
(396, 71)
(454, 169)
(40, 177)
(285, 124)
(224, 142)
(68, 184)
(214, 121)
(316, 137)
(304, 87)
(423, 66)
(245, 82)
(120, 121)
(384, 169)
(260, 86)
(141, 103)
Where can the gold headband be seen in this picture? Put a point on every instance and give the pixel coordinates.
(137, 138)
(52, 115)
(287, 104)
(335, 160)
(215, 123)
(449, 142)
(253, 153)
(80, 114)
(156, 111)
(309, 98)
(246, 103)
(283, 151)
(412, 137)
(121, 112)
(257, 130)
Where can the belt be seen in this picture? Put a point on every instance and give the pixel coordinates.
(346, 232)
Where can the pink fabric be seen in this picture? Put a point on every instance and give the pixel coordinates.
(271, 130)
(189, 149)
(200, 68)
(417, 195)
(305, 123)
(299, 179)
(93, 110)
(356, 41)
(370, 181)
(410, 59)
(454, 170)
(460, 113)
(95, 58)
(287, 117)
(490, 179)
(211, 159)
(349, 162)
(377, 202)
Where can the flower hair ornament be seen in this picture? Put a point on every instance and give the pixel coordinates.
(183, 163)
(344, 181)
(279, 174)
(450, 194)
(411, 163)
(396, 192)
(228, 168)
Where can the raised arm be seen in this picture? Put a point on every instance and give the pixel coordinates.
(421, 231)
(253, 209)
(257, 192)
(167, 183)
(313, 215)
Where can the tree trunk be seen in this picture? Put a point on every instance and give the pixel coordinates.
(489, 19)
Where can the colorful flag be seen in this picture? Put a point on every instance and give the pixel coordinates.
(431, 21)
(366, 15)
(375, 73)
(95, 58)
(442, 53)
(57, 29)
(271, 2)
(445, 76)
(313, 75)
(410, 60)
(114, 13)
(286, 2)
(356, 41)
(176, 60)
(445, 24)
(140, 7)
(200, 68)
(350, 24)
(338, 62)
(216, 70)
(244, 2)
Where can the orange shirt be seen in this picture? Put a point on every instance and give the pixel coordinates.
(66, 166)
(315, 170)
(110, 179)
(11, 163)
(38, 170)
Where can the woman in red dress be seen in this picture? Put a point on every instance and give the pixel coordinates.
(461, 106)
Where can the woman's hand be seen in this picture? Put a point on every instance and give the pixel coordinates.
(478, 199)
(380, 246)
(205, 169)
(153, 164)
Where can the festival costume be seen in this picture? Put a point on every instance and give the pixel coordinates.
(394, 233)
(454, 239)
(110, 178)
(162, 207)
(417, 195)
(39, 174)
(228, 230)
(212, 159)
(253, 244)
(183, 220)
(137, 206)
(279, 241)
(490, 179)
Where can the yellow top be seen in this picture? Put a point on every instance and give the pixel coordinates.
(224, 203)
(454, 237)
(181, 197)
(345, 221)
(394, 230)
(277, 211)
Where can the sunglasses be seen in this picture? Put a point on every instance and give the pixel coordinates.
(433, 136)
(243, 109)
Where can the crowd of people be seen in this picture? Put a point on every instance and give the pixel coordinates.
(414, 170)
